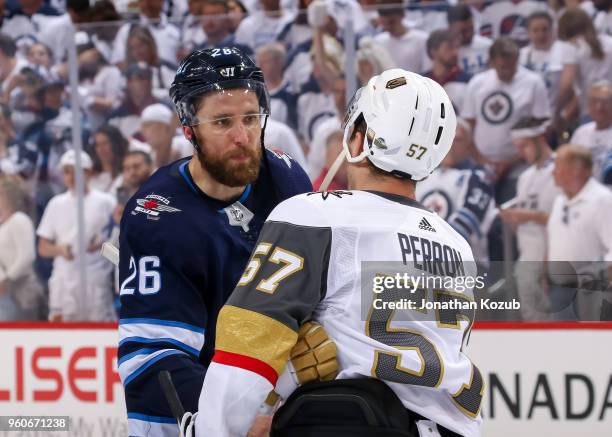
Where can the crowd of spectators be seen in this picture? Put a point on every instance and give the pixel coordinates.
(530, 80)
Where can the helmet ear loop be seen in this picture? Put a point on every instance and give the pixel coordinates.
(345, 142)
(266, 161)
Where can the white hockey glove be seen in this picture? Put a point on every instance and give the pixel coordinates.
(317, 13)
(313, 358)
(187, 424)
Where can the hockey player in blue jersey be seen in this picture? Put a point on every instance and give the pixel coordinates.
(187, 234)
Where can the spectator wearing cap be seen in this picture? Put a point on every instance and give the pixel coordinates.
(474, 49)
(138, 95)
(48, 136)
(597, 134)
(528, 214)
(442, 48)
(166, 34)
(109, 148)
(20, 291)
(158, 130)
(579, 234)
(58, 239)
(495, 100)
(217, 26)
(406, 46)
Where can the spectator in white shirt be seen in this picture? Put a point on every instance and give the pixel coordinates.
(98, 86)
(280, 137)
(579, 236)
(58, 232)
(603, 19)
(20, 291)
(587, 58)
(495, 100)
(141, 47)
(166, 34)
(474, 50)
(544, 54)
(535, 194)
(597, 134)
(407, 47)
(263, 26)
(192, 33)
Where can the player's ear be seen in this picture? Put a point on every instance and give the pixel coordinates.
(188, 132)
(356, 143)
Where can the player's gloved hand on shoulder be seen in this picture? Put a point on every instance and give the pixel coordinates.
(313, 358)
(187, 424)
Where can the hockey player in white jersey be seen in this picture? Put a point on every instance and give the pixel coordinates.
(403, 369)
(461, 193)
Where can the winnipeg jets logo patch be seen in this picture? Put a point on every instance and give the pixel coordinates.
(152, 205)
(239, 215)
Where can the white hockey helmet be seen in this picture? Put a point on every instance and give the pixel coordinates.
(410, 123)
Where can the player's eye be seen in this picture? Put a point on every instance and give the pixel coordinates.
(222, 122)
(250, 119)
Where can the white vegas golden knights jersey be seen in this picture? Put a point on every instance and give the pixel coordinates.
(338, 242)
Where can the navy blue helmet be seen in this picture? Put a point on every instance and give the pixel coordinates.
(215, 69)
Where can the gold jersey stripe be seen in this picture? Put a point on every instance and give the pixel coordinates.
(256, 335)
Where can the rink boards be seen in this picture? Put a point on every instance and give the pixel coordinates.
(540, 379)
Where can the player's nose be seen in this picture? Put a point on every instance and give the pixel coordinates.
(239, 133)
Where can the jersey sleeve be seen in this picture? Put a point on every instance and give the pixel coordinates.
(283, 282)
(162, 314)
(476, 201)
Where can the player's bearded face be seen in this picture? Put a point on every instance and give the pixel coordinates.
(230, 150)
(234, 168)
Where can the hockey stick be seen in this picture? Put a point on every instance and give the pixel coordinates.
(167, 386)
(110, 252)
(332, 171)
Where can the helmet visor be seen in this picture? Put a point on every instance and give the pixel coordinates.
(224, 103)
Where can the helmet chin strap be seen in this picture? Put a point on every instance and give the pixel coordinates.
(266, 160)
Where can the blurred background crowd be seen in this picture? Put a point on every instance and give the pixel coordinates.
(525, 182)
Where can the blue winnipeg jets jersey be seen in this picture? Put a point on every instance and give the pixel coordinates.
(181, 255)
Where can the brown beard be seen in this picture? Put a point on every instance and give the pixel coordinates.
(228, 173)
